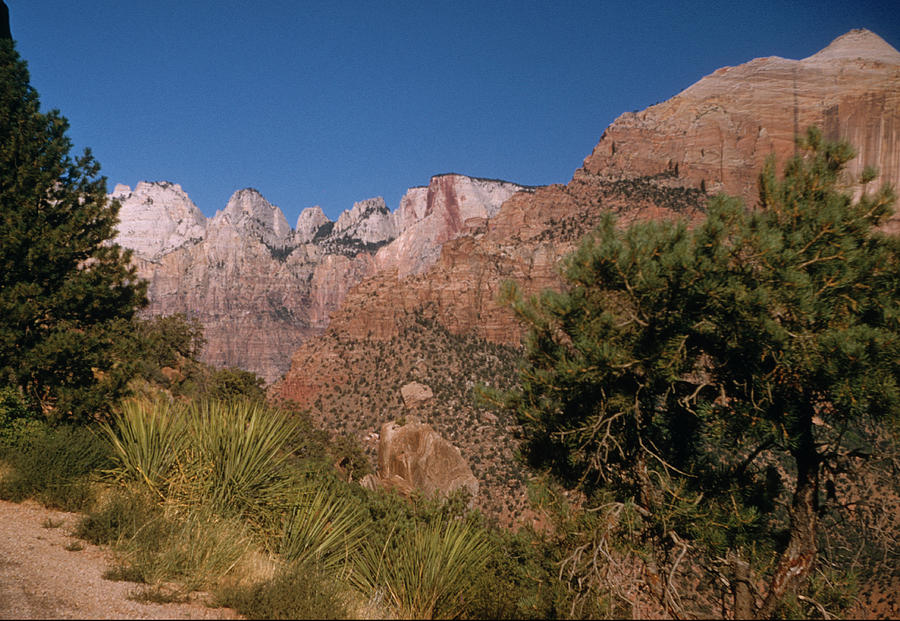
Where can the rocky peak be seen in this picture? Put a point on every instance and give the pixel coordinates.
(451, 205)
(252, 214)
(716, 134)
(368, 221)
(309, 223)
(858, 44)
(156, 218)
(364, 228)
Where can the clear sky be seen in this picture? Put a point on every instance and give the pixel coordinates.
(330, 102)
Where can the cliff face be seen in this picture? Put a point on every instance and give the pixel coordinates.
(660, 163)
(719, 131)
(258, 287)
(428, 217)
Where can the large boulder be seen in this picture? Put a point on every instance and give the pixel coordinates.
(415, 458)
(415, 393)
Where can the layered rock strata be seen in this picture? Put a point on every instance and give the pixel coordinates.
(663, 162)
(718, 133)
(261, 288)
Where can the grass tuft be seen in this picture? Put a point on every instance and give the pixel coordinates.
(194, 549)
(298, 591)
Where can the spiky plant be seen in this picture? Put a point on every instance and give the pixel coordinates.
(424, 572)
(324, 529)
(237, 454)
(147, 437)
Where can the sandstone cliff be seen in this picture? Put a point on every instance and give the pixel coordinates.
(260, 288)
(428, 217)
(659, 163)
(718, 132)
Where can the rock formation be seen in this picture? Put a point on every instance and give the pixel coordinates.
(260, 288)
(718, 132)
(415, 393)
(157, 218)
(659, 163)
(414, 457)
(428, 217)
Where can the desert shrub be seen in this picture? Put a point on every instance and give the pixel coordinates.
(234, 383)
(196, 549)
(147, 437)
(119, 516)
(54, 465)
(426, 571)
(299, 591)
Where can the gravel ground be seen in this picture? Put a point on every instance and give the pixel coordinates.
(41, 579)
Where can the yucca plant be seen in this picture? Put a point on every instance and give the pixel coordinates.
(424, 572)
(237, 454)
(322, 529)
(147, 436)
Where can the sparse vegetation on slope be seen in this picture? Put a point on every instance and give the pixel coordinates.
(452, 366)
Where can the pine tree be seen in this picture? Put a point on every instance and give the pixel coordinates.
(699, 372)
(63, 286)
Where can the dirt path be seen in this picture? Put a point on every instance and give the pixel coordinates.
(41, 579)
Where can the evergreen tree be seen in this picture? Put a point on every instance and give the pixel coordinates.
(62, 283)
(700, 372)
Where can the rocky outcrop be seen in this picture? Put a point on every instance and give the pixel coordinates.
(415, 393)
(717, 133)
(451, 205)
(415, 458)
(258, 287)
(157, 218)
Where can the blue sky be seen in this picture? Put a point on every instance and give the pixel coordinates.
(327, 103)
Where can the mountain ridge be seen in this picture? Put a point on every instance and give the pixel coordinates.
(647, 165)
(259, 287)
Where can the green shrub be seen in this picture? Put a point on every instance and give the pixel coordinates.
(54, 465)
(299, 591)
(17, 420)
(147, 438)
(520, 580)
(427, 571)
(237, 455)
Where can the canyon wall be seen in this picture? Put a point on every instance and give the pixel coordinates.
(261, 288)
(662, 162)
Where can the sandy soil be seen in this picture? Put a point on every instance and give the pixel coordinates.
(41, 579)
